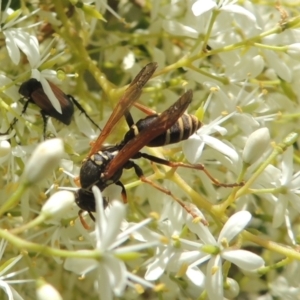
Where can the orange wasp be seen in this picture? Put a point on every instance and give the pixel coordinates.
(104, 164)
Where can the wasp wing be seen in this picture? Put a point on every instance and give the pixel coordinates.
(132, 93)
(159, 125)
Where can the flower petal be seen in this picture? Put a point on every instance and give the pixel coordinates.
(116, 271)
(105, 289)
(196, 276)
(192, 148)
(245, 260)
(174, 27)
(221, 147)
(287, 166)
(237, 9)
(214, 278)
(235, 224)
(156, 268)
(280, 208)
(29, 45)
(278, 65)
(80, 266)
(115, 217)
(6, 288)
(294, 200)
(202, 232)
(200, 7)
(48, 91)
(12, 48)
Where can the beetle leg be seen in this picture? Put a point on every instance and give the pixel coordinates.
(45, 119)
(123, 192)
(15, 120)
(82, 110)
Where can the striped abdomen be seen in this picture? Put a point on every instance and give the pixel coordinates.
(182, 129)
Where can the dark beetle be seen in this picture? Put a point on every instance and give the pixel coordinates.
(33, 91)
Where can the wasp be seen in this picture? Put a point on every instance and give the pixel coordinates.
(105, 164)
(33, 91)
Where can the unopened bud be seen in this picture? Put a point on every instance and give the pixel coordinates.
(46, 291)
(256, 145)
(293, 50)
(232, 288)
(58, 204)
(43, 160)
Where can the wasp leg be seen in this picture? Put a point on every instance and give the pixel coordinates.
(139, 172)
(144, 109)
(148, 111)
(123, 192)
(82, 110)
(128, 118)
(91, 215)
(186, 165)
(83, 222)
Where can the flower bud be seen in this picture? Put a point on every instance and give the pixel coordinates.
(46, 291)
(43, 160)
(256, 145)
(92, 11)
(58, 204)
(293, 50)
(232, 289)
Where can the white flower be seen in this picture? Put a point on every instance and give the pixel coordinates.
(17, 39)
(244, 259)
(290, 183)
(200, 7)
(43, 160)
(280, 288)
(111, 273)
(171, 221)
(174, 253)
(5, 277)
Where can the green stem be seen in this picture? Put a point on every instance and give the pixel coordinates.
(45, 250)
(223, 80)
(250, 42)
(79, 50)
(14, 199)
(274, 247)
(38, 220)
(279, 149)
(270, 47)
(209, 29)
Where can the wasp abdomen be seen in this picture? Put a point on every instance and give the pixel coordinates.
(182, 129)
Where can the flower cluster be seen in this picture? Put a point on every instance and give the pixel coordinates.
(212, 216)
